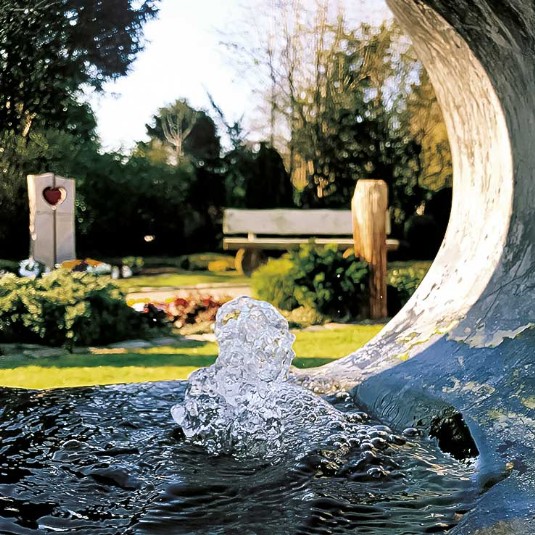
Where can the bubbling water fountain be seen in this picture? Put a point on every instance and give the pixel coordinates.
(244, 405)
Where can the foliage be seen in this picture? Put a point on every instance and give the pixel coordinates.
(438, 207)
(301, 317)
(135, 263)
(65, 309)
(195, 309)
(342, 102)
(18, 157)
(186, 138)
(423, 235)
(321, 279)
(183, 133)
(426, 124)
(344, 124)
(402, 280)
(120, 200)
(328, 282)
(202, 261)
(257, 179)
(132, 206)
(51, 48)
(253, 178)
(273, 282)
(9, 266)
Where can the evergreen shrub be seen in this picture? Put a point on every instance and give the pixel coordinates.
(318, 278)
(66, 309)
(274, 283)
(402, 280)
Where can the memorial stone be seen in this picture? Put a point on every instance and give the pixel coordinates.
(52, 231)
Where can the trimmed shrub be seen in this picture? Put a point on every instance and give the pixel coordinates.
(325, 280)
(273, 282)
(321, 279)
(66, 309)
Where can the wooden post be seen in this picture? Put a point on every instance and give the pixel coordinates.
(369, 206)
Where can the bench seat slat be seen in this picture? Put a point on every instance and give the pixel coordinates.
(288, 222)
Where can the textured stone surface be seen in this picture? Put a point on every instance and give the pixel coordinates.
(466, 340)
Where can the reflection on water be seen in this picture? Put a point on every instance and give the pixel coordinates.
(109, 460)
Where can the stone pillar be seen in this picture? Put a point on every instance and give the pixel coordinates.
(52, 225)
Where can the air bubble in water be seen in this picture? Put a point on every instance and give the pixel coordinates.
(243, 404)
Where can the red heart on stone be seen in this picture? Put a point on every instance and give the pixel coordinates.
(54, 196)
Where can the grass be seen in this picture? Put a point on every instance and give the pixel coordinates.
(177, 361)
(181, 278)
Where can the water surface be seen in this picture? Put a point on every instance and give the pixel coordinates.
(110, 460)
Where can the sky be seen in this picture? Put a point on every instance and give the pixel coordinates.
(183, 58)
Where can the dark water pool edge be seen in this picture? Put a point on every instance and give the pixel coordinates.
(148, 389)
(506, 504)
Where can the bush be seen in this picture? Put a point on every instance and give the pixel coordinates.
(272, 282)
(202, 261)
(325, 280)
(321, 279)
(302, 317)
(135, 263)
(402, 280)
(423, 235)
(9, 266)
(66, 309)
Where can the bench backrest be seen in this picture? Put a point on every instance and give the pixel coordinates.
(288, 222)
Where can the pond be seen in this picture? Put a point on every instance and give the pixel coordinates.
(110, 460)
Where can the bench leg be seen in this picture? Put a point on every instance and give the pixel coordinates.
(247, 260)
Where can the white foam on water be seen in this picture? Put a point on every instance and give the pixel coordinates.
(243, 404)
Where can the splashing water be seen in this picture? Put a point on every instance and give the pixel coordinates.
(244, 406)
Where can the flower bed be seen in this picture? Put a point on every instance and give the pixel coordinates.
(194, 313)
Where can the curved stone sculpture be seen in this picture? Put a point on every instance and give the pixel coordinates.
(465, 342)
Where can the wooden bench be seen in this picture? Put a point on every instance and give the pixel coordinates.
(250, 232)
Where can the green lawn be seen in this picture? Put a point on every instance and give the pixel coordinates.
(192, 278)
(177, 361)
(181, 278)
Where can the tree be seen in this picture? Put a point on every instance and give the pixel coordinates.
(344, 97)
(345, 124)
(426, 124)
(184, 133)
(49, 49)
